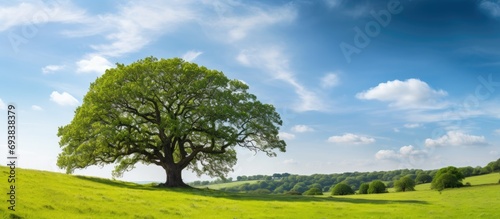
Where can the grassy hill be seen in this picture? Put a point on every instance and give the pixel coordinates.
(43, 194)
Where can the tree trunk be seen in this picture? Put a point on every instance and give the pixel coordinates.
(174, 177)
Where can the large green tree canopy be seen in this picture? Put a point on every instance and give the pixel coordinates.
(171, 113)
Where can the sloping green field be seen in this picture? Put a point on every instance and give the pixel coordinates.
(43, 194)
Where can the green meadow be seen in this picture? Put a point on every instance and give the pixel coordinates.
(42, 194)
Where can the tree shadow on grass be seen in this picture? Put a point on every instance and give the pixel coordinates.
(246, 196)
(116, 183)
(290, 198)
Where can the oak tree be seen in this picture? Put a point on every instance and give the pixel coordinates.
(404, 184)
(170, 113)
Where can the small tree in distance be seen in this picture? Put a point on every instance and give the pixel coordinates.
(377, 186)
(448, 177)
(313, 191)
(404, 184)
(342, 189)
(363, 188)
(423, 178)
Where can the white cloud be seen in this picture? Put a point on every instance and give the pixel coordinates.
(52, 68)
(386, 155)
(350, 138)
(329, 80)
(412, 93)
(405, 152)
(191, 55)
(286, 136)
(396, 130)
(302, 128)
(36, 108)
(273, 60)
(491, 6)
(93, 63)
(290, 161)
(412, 125)
(455, 138)
(63, 99)
(494, 153)
(2, 105)
(36, 14)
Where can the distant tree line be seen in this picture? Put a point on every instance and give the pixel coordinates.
(364, 182)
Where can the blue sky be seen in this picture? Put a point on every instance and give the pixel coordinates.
(360, 85)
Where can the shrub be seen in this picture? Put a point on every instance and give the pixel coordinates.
(376, 186)
(448, 177)
(342, 189)
(293, 192)
(444, 181)
(261, 191)
(404, 184)
(363, 188)
(313, 191)
(423, 178)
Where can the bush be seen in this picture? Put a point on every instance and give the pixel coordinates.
(313, 191)
(467, 184)
(363, 188)
(423, 178)
(448, 177)
(444, 181)
(261, 191)
(376, 186)
(404, 184)
(292, 192)
(342, 189)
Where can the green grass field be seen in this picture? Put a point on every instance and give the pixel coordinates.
(43, 194)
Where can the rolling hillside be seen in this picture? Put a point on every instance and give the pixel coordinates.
(42, 194)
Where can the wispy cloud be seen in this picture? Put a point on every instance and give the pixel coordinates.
(273, 60)
(38, 13)
(137, 24)
(412, 125)
(456, 138)
(52, 68)
(36, 108)
(302, 128)
(286, 136)
(63, 99)
(408, 94)
(191, 55)
(238, 20)
(496, 132)
(492, 7)
(330, 80)
(350, 138)
(332, 3)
